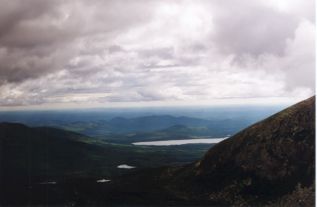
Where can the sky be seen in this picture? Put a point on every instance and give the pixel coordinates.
(63, 53)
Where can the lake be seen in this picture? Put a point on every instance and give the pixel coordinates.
(181, 142)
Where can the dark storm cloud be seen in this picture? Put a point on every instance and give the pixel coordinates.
(20, 55)
(34, 24)
(39, 37)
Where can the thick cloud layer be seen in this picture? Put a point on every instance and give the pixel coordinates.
(100, 52)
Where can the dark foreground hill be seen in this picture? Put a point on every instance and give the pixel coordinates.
(269, 163)
(34, 162)
(263, 162)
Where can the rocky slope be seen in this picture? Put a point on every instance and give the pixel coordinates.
(260, 165)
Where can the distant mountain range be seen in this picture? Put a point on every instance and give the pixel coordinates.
(206, 121)
(170, 124)
(150, 123)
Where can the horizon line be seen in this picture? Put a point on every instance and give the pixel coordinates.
(234, 102)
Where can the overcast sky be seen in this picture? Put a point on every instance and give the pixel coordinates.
(63, 53)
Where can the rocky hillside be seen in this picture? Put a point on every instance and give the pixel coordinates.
(263, 164)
